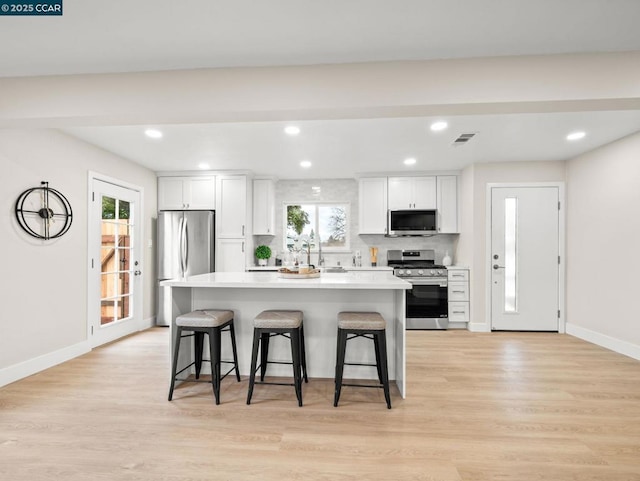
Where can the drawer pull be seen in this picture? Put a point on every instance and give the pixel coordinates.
(458, 312)
(458, 292)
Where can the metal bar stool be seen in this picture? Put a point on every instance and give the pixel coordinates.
(278, 323)
(370, 325)
(206, 321)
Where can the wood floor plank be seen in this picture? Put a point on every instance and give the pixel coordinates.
(480, 407)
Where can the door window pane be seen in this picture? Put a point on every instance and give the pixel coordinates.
(510, 254)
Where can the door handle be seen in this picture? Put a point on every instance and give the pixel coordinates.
(137, 273)
(496, 267)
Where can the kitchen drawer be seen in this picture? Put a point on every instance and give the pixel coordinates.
(458, 312)
(458, 291)
(458, 274)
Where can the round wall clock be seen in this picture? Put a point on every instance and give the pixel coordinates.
(43, 212)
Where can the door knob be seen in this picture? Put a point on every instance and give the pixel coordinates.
(496, 267)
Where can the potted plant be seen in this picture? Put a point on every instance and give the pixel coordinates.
(263, 253)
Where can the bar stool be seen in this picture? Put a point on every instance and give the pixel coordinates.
(201, 322)
(278, 323)
(370, 325)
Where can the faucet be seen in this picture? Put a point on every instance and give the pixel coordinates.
(320, 258)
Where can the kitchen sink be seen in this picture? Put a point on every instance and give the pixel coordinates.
(334, 270)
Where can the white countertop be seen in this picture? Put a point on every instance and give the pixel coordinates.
(270, 280)
(346, 268)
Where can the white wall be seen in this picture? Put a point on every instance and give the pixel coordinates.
(603, 245)
(43, 290)
(474, 219)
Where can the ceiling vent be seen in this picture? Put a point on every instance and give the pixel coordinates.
(464, 138)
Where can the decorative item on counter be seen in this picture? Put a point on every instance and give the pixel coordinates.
(373, 252)
(446, 260)
(263, 253)
(279, 258)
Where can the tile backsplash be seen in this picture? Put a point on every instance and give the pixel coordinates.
(346, 191)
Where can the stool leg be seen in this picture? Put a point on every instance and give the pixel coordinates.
(295, 357)
(254, 361)
(174, 366)
(264, 354)
(198, 345)
(342, 344)
(382, 343)
(232, 331)
(376, 344)
(303, 354)
(214, 355)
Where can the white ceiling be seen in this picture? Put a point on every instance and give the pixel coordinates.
(148, 35)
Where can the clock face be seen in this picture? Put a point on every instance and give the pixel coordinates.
(43, 213)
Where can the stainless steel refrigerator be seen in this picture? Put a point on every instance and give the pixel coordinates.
(186, 247)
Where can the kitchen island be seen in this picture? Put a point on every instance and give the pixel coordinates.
(320, 299)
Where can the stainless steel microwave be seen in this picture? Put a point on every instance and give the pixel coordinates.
(412, 222)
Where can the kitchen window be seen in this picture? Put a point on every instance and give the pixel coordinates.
(328, 222)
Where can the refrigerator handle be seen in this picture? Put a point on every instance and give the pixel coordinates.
(181, 247)
(186, 245)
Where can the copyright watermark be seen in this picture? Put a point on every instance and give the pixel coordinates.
(31, 7)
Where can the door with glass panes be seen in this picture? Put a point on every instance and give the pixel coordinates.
(115, 270)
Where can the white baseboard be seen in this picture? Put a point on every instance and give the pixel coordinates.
(146, 323)
(478, 327)
(602, 340)
(32, 366)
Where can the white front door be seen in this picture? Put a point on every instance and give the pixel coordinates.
(115, 280)
(525, 258)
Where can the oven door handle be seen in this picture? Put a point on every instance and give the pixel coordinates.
(429, 282)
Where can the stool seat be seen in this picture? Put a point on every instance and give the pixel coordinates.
(276, 319)
(204, 318)
(365, 321)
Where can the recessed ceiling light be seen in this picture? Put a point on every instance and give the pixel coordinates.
(291, 130)
(576, 135)
(316, 187)
(305, 163)
(153, 133)
(409, 161)
(203, 165)
(439, 125)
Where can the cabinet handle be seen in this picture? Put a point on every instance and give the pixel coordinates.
(457, 275)
(458, 292)
(243, 230)
(457, 312)
(243, 247)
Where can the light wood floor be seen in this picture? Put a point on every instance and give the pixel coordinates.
(500, 406)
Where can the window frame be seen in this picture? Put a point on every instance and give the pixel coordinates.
(345, 204)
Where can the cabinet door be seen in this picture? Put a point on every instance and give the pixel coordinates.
(230, 255)
(201, 193)
(231, 203)
(170, 193)
(400, 193)
(424, 193)
(372, 218)
(263, 207)
(448, 204)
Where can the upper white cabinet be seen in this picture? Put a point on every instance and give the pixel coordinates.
(264, 207)
(186, 193)
(372, 218)
(231, 214)
(447, 189)
(412, 193)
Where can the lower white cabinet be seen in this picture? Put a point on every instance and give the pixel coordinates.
(458, 293)
(230, 255)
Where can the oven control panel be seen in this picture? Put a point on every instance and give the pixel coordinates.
(420, 272)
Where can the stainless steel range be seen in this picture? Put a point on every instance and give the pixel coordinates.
(427, 300)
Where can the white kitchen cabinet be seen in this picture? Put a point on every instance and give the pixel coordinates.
(230, 255)
(264, 207)
(372, 203)
(458, 294)
(447, 204)
(187, 193)
(231, 214)
(412, 192)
